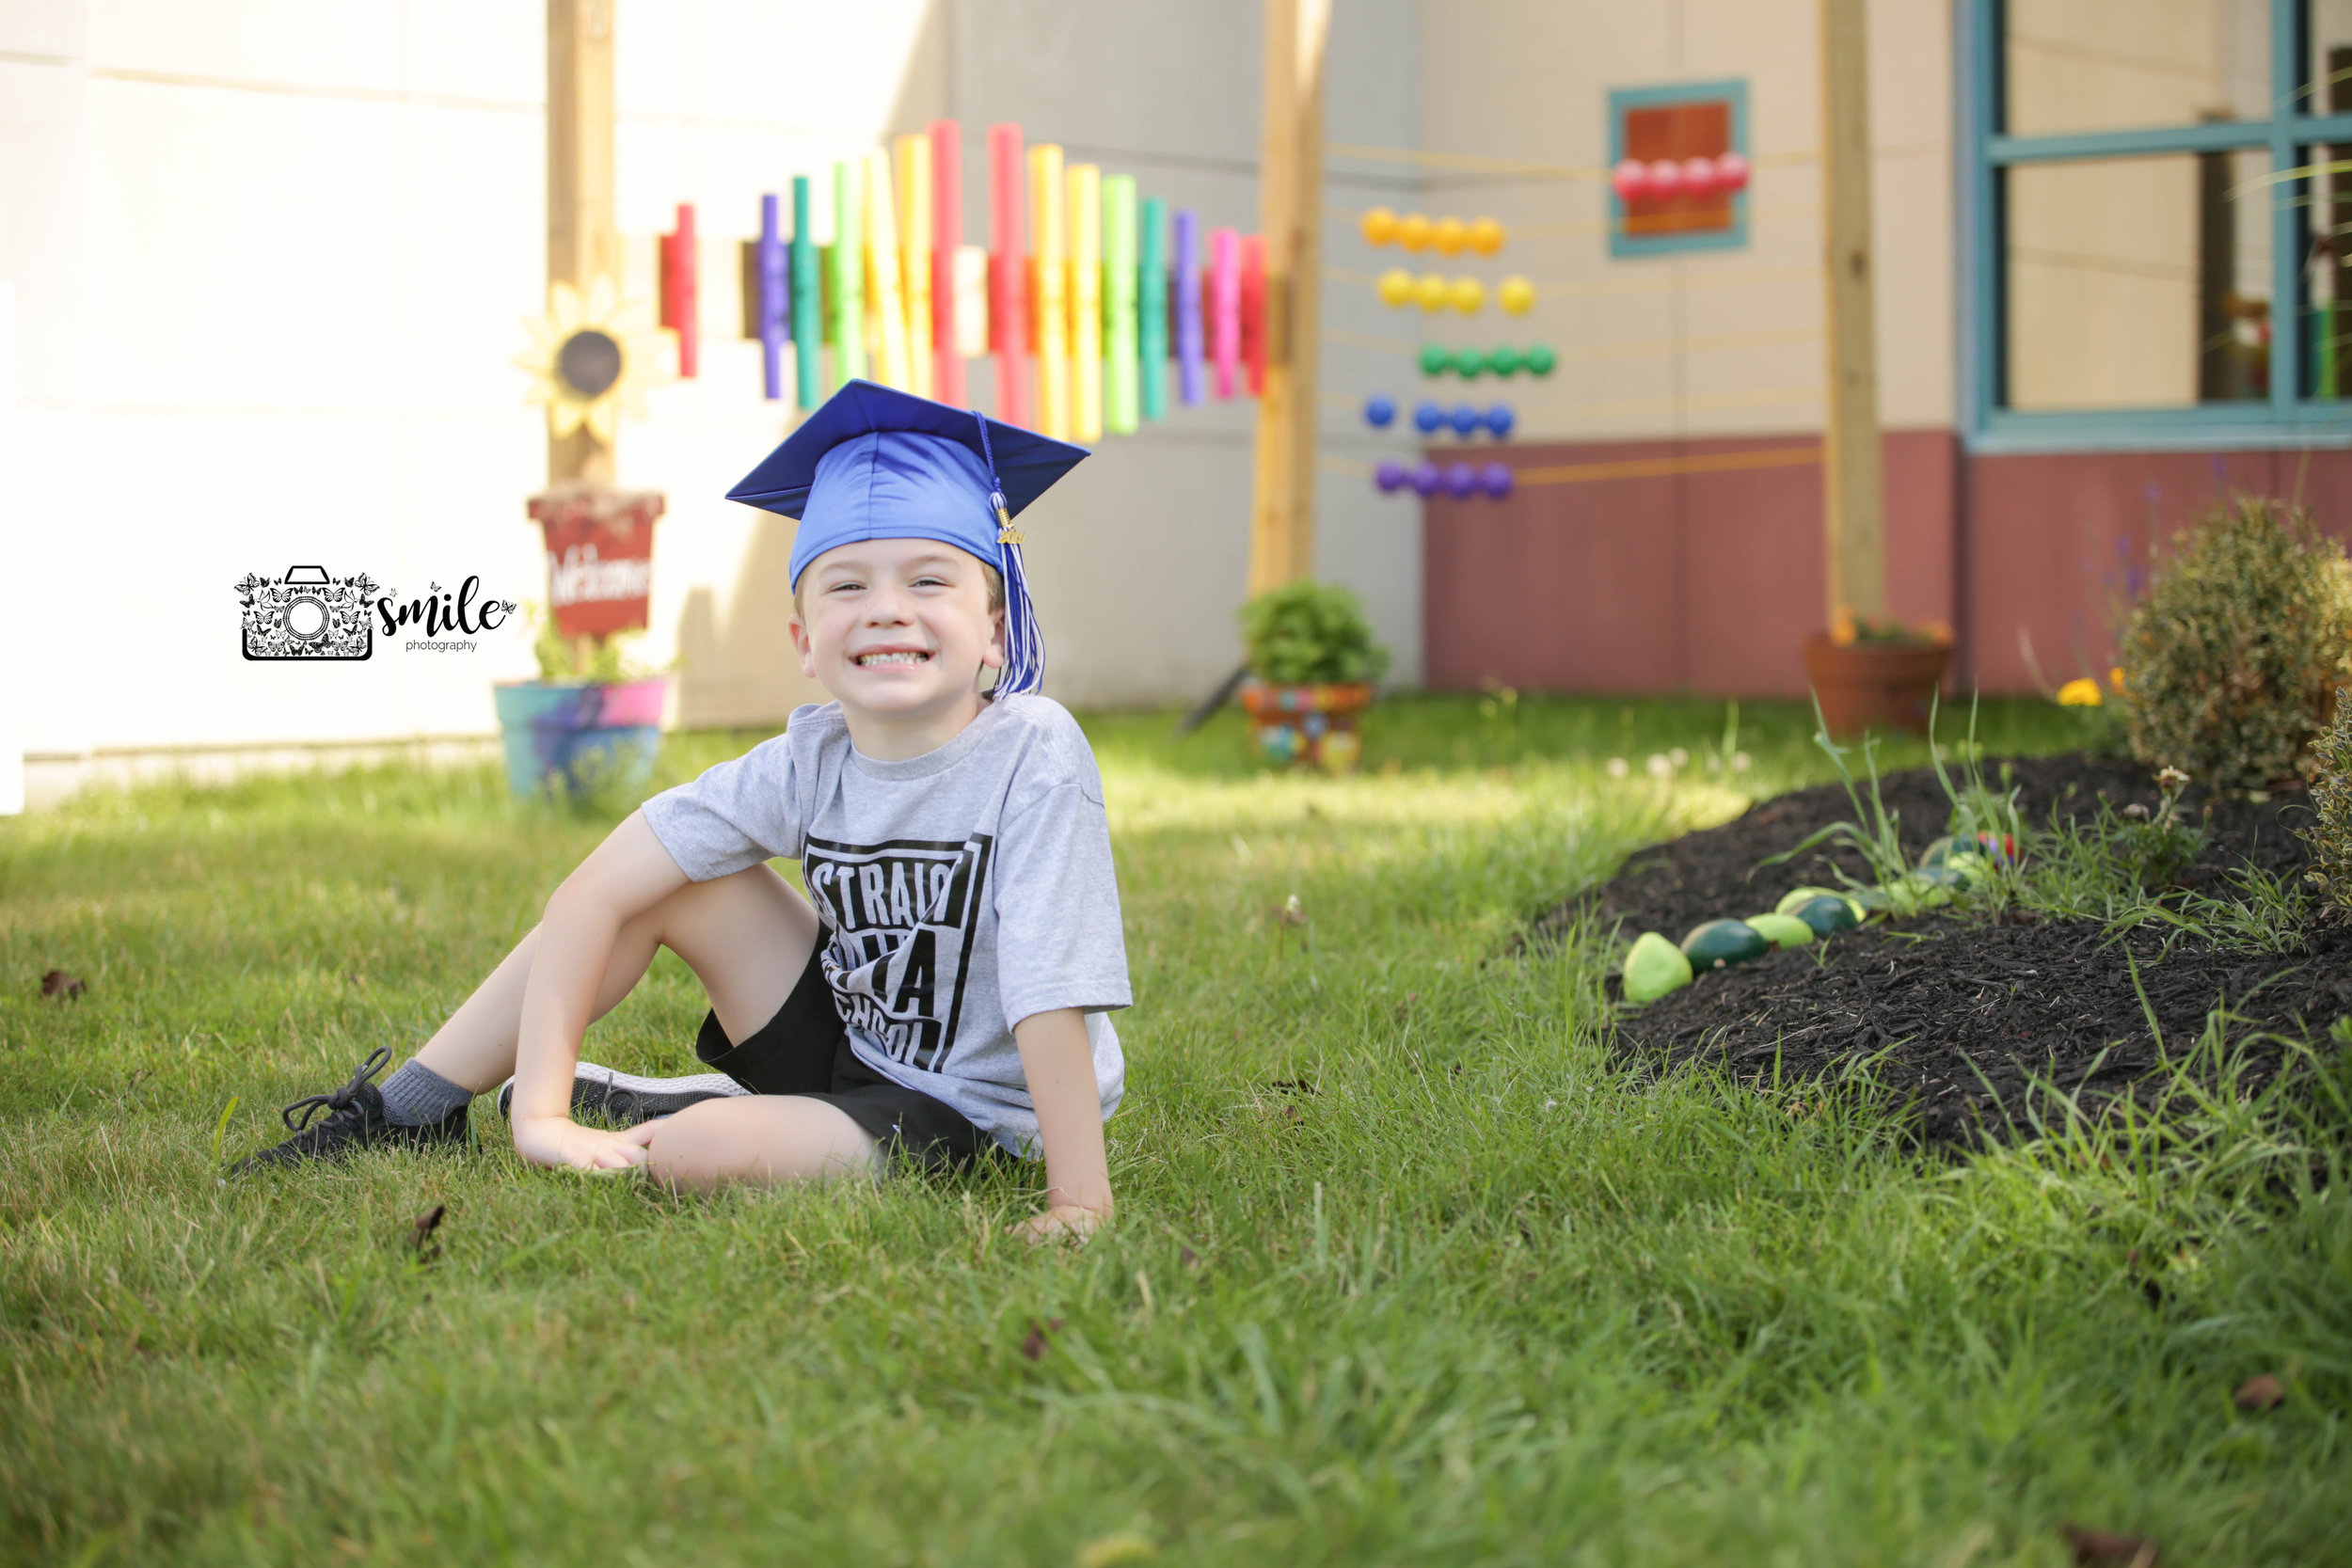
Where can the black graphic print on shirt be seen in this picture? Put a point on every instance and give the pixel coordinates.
(899, 918)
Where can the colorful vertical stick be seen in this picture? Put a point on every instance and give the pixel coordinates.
(1152, 310)
(1086, 302)
(885, 305)
(1189, 334)
(971, 267)
(1118, 304)
(849, 273)
(1049, 266)
(947, 240)
(1253, 311)
(775, 297)
(809, 322)
(915, 256)
(681, 308)
(1225, 308)
(1009, 282)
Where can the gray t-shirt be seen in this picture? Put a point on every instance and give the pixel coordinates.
(960, 891)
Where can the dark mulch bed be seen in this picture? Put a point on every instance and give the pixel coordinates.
(1955, 1017)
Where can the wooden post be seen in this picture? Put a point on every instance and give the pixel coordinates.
(1290, 207)
(583, 241)
(1854, 498)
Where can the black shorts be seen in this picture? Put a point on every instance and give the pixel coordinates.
(804, 1050)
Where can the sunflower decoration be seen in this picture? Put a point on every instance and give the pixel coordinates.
(591, 354)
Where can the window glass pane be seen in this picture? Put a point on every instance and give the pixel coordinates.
(2138, 282)
(2329, 89)
(2327, 273)
(2327, 262)
(2118, 65)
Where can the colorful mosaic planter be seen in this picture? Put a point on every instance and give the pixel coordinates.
(1306, 725)
(576, 736)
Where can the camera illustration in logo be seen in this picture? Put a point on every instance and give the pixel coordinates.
(308, 614)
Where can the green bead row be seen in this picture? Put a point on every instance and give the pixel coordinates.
(1469, 363)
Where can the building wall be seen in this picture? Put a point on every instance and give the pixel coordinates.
(271, 261)
(1705, 579)
(1699, 343)
(1667, 532)
(1710, 580)
(2054, 543)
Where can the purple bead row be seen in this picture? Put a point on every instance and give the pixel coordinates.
(1459, 480)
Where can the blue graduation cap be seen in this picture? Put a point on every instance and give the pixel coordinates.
(876, 462)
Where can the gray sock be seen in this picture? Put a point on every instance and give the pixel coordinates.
(415, 1095)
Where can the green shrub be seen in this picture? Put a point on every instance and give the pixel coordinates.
(2330, 833)
(2230, 664)
(1311, 633)
(609, 660)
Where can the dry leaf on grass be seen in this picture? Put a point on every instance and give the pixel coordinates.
(2260, 1393)
(1038, 1341)
(2099, 1549)
(422, 1240)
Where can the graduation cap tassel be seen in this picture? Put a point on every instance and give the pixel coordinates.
(1024, 650)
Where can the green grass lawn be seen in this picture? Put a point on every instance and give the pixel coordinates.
(1404, 1270)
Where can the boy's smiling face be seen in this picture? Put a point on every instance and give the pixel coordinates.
(898, 630)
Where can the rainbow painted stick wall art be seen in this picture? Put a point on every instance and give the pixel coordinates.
(1087, 293)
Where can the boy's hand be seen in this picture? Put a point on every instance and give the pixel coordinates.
(1059, 1064)
(1063, 1222)
(560, 1143)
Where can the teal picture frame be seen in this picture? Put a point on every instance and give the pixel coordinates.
(1730, 91)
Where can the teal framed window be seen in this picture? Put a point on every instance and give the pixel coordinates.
(2156, 217)
(1675, 125)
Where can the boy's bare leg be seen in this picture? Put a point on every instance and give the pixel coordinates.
(765, 1139)
(746, 937)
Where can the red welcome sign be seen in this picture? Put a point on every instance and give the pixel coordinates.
(599, 557)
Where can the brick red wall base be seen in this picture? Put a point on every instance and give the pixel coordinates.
(1710, 580)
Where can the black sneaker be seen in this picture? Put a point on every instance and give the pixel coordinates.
(354, 1119)
(625, 1100)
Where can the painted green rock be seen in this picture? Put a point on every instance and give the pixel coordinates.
(1826, 914)
(1655, 967)
(1781, 930)
(1976, 867)
(1931, 887)
(1723, 942)
(1798, 897)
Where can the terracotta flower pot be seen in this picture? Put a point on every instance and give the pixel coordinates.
(1311, 725)
(1874, 686)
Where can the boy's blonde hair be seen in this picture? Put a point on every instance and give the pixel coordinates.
(989, 575)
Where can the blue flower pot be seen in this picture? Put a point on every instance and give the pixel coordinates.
(576, 736)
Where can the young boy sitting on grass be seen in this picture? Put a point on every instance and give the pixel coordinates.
(944, 984)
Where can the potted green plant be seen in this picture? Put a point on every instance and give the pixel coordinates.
(1313, 667)
(1876, 674)
(592, 722)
